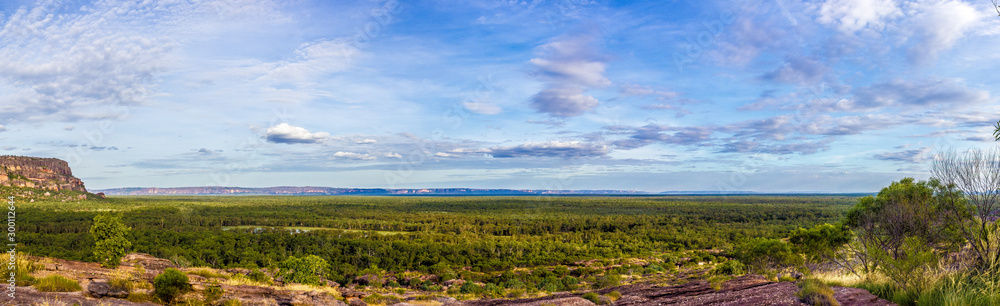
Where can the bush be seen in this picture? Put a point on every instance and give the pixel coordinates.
(764, 254)
(597, 298)
(822, 241)
(306, 270)
(120, 284)
(470, 287)
(614, 295)
(259, 276)
(570, 282)
(381, 299)
(814, 292)
(213, 292)
(170, 284)
(56, 283)
(606, 281)
(730, 267)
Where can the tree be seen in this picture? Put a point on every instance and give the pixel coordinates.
(889, 226)
(822, 241)
(306, 270)
(976, 174)
(111, 245)
(996, 127)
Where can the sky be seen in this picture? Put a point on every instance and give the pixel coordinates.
(766, 96)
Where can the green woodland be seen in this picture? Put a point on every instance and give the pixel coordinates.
(914, 242)
(396, 234)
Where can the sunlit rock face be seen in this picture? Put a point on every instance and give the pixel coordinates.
(41, 173)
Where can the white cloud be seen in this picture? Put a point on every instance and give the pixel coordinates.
(485, 108)
(940, 24)
(74, 61)
(570, 68)
(365, 141)
(563, 102)
(392, 155)
(850, 16)
(314, 60)
(352, 155)
(285, 133)
(2, 128)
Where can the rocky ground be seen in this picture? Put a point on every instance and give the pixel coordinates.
(744, 290)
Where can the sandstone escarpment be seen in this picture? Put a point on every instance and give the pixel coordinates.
(40, 173)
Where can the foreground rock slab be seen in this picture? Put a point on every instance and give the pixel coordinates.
(744, 290)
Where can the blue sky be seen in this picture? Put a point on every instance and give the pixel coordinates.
(770, 96)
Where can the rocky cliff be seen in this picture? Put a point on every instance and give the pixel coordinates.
(40, 173)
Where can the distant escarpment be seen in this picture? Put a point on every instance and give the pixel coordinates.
(38, 173)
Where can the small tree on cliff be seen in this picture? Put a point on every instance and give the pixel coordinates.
(110, 233)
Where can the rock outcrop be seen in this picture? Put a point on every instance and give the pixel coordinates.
(40, 173)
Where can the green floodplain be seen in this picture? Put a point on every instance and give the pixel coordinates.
(484, 233)
(521, 243)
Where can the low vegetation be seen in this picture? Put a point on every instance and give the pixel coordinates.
(815, 292)
(171, 284)
(57, 283)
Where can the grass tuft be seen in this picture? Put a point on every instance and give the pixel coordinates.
(206, 273)
(57, 283)
(815, 292)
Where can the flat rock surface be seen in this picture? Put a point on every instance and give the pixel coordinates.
(744, 290)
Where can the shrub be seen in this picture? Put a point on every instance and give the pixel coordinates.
(232, 303)
(560, 271)
(470, 287)
(170, 284)
(120, 284)
(570, 282)
(614, 295)
(307, 270)
(606, 281)
(392, 284)
(381, 299)
(814, 292)
(493, 291)
(259, 276)
(592, 296)
(730, 267)
(57, 283)
(822, 241)
(212, 292)
(764, 254)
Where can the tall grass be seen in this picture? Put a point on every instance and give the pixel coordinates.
(815, 292)
(954, 288)
(963, 289)
(23, 267)
(57, 283)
